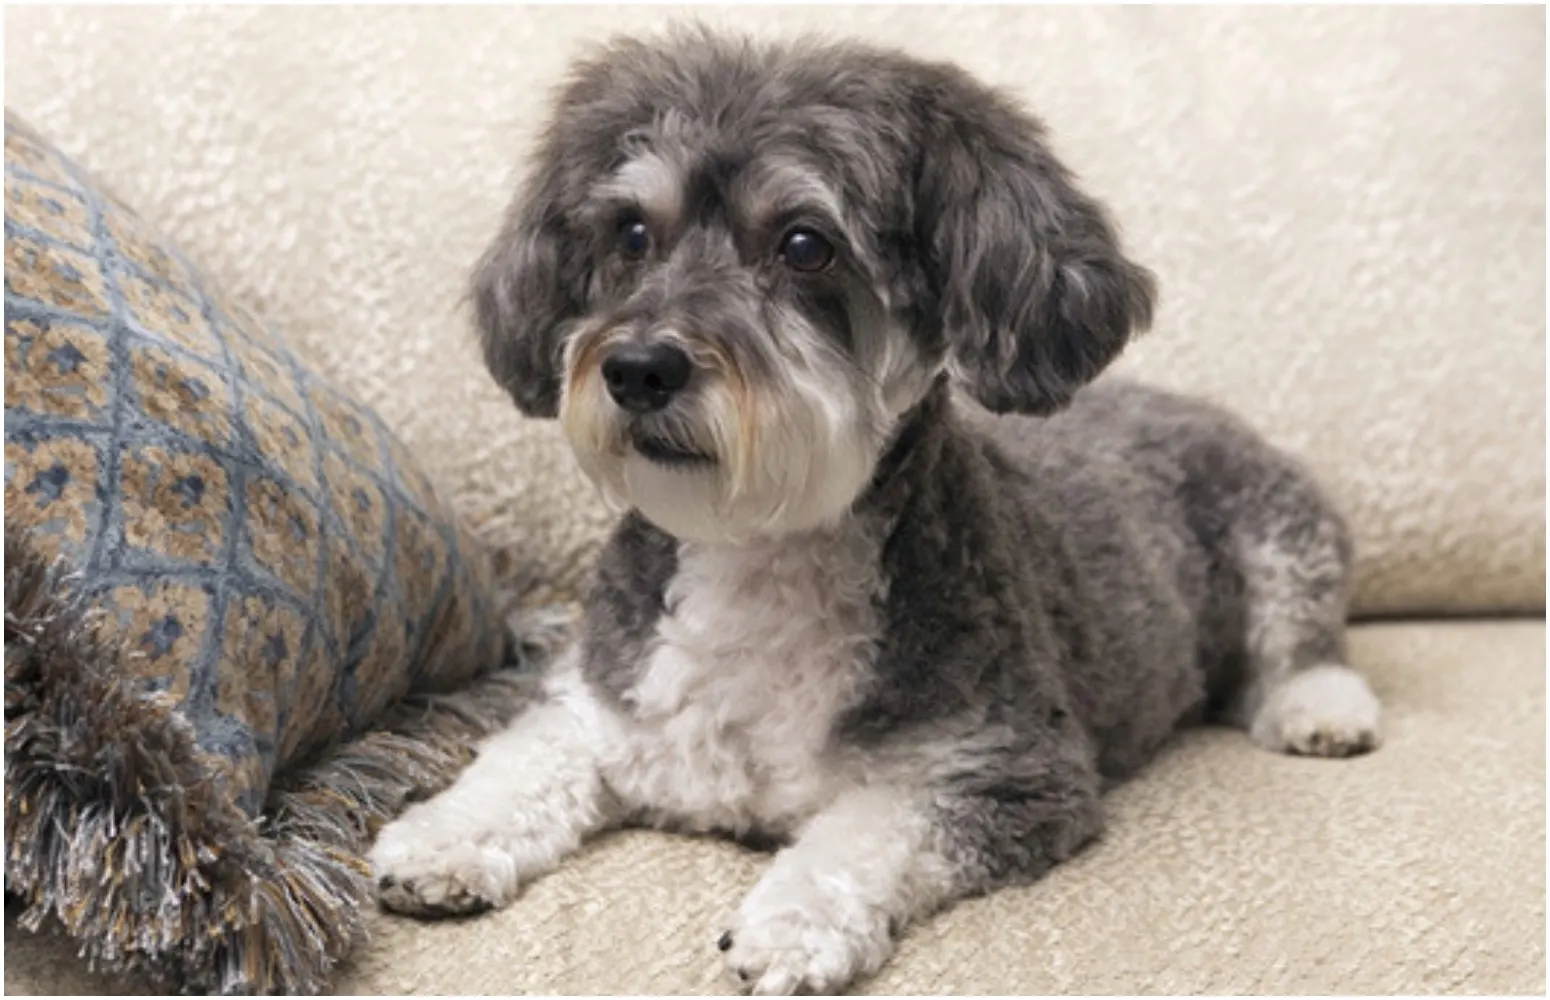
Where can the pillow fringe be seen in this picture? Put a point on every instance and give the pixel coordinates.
(120, 833)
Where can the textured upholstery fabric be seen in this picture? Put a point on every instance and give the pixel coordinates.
(265, 544)
(1226, 870)
(266, 574)
(1345, 208)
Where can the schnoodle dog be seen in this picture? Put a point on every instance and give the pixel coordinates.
(894, 588)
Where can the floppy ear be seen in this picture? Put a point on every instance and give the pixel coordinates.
(1036, 297)
(528, 288)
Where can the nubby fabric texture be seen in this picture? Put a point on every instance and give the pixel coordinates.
(1346, 217)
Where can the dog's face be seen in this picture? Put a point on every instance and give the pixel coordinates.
(733, 269)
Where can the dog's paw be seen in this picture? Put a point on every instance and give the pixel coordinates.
(428, 865)
(1324, 711)
(795, 938)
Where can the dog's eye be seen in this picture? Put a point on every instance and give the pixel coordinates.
(634, 238)
(805, 250)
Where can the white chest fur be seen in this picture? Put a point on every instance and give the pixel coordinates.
(763, 646)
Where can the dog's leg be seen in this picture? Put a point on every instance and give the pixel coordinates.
(530, 798)
(825, 911)
(829, 907)
(1301, 696)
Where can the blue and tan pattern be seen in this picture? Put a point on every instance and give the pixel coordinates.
(257, 538)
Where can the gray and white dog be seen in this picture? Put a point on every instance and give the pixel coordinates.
(892, 589)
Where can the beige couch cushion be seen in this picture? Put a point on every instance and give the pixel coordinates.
(1345, 208)
(1418, 869)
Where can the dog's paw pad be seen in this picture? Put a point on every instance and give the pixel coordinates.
(787, 957)
(423, 874)
(1325, 711)
(813, 951)
(431, 896)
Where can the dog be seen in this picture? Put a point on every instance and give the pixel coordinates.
(897, 587)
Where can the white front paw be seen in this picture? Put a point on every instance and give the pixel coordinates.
(792, 937)
(432, 862)
(1323, 711)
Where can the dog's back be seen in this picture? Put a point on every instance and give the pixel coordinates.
(1183, 523)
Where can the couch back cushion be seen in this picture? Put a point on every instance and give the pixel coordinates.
(1345, 209)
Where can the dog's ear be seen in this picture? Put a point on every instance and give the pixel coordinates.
(528, 288)
(1035, 295)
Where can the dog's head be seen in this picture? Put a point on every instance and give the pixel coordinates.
(733, 268)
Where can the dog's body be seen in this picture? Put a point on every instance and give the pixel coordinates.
(851, 611)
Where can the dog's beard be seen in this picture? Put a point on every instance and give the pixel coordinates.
(731, 462)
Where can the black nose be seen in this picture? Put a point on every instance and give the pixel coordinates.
(643, 377)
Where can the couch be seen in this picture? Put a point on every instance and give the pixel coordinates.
(1346, 212)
